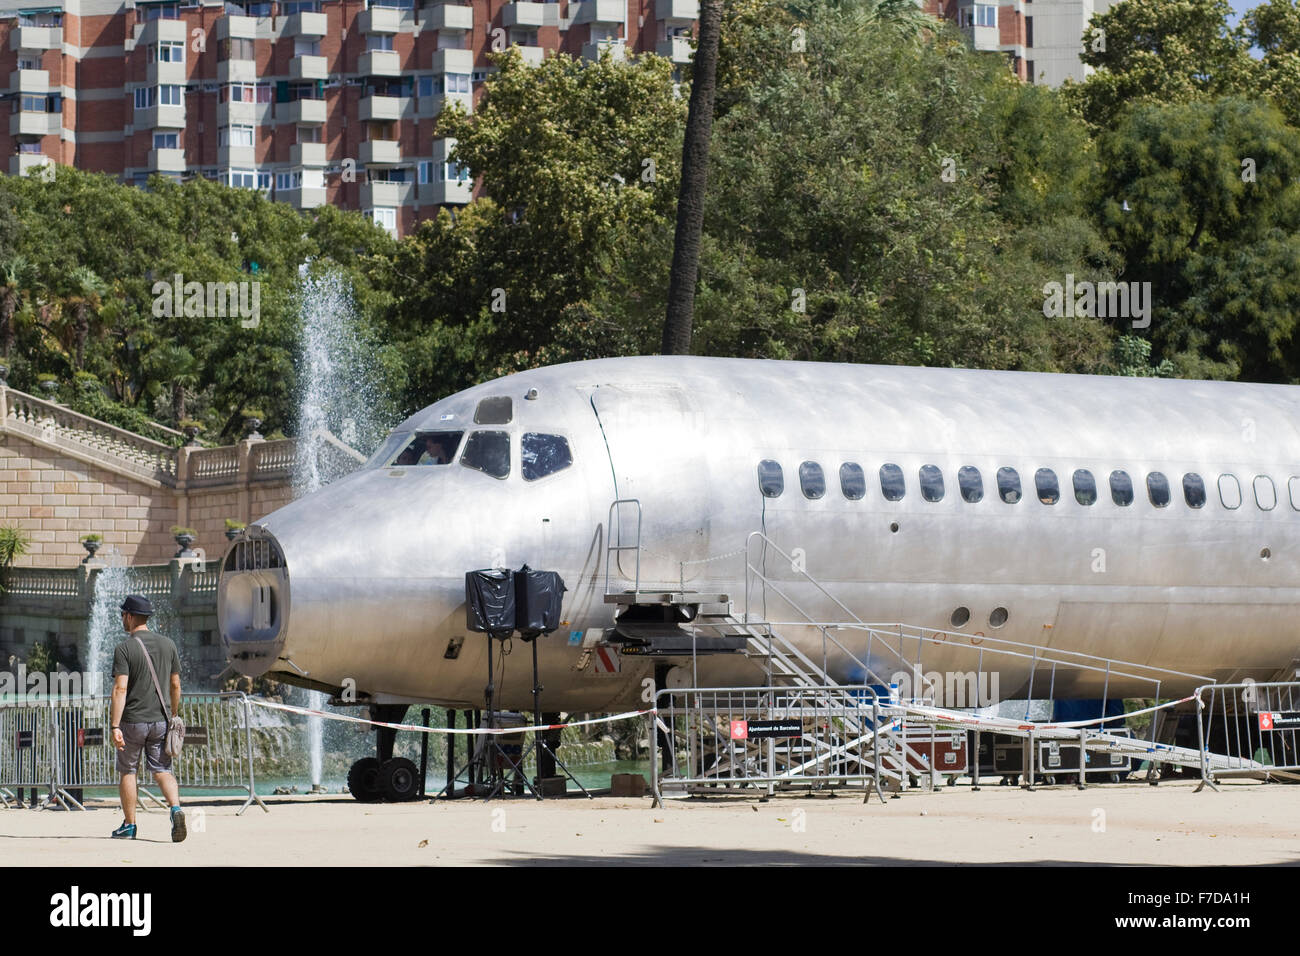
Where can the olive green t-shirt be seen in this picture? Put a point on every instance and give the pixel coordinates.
(142, 704)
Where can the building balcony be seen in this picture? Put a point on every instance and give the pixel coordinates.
(308, 68)
(307, 154)
(22, 164)
(677, 49)
(983, 38)
(522, 14)
(303, 112)
(532, 55)
(601, 11)
(156, 30)
(159, 117)
(170, 74)
(35, 124)
(241, 114)
(29, 81)
(305, 25)
(380, 63)
(450, 193)
(380, 152)
(167, 160)
(237, 71)
(593, 50)
(234, 27)
(432, 106)
(380, 20)
(386, 194)
(36, 38)
(240, 156)
(381, 108)
(304, 197)
(678, 12)
(453, 61)
(450, 18)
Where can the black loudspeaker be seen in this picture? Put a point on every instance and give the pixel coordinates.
(490, 602)
(538, 595)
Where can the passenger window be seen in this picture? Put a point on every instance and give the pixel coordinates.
(852, 481)
(931, 483)
(542, 455)
(1158, 489)
(812, 480)
(1009, 485)
(1265, 493)
(430, 448)
(1121, 488)
(488, 452)
(771, 481)
(1193, 490)
(892, 485)
(494, 411)
(971, 483)
(1085, 487)
(1230, 492)
(1049, 490)
(1293, 487)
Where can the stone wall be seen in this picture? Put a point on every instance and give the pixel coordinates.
(64, 475)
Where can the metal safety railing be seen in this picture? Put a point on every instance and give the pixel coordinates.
(720, 739)
(63, 744)
(1249, 730)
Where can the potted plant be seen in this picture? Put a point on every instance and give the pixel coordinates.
(4, 375)
(48, 383)
(191, 427)
(253, 418)
(184, 537)
(91, 543)
(233, 528)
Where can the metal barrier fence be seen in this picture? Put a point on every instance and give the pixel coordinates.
(64, 744)
(716, 739)
(1255, 727)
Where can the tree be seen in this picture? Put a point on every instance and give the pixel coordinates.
(13, 276)
(1274, 27)
(83, 296)
(1203, 201)
(1161, 51)
(690, 200)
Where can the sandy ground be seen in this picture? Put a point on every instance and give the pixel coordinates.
(1245, 824)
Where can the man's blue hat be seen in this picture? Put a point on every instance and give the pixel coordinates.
(137, 604)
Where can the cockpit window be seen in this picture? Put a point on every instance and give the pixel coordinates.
(497, 410)
(542, 455)
(488, 452)
(429, 448)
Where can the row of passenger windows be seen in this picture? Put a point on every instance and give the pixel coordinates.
(488, 452)
(970, 484)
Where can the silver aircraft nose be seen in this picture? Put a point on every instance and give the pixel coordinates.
(253, 601)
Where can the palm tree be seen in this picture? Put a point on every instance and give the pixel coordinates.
(904, 15)
(84, 298)
(176, 366)
(13, 273)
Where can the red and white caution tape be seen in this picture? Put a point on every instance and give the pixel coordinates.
(443, 730)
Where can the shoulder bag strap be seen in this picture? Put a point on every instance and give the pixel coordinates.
(156, 686)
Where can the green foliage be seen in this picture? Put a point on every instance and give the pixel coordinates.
(1133, 358)
(1213, 223)
(96, 538)
(14, 542)
(233, 525)
(178, 530)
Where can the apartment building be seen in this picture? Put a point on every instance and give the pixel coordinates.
(312, 102)
(1042, 39)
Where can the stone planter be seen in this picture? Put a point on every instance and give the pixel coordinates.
(184, 540)
(252, 424)
(232, 533)
(192, 433)
(91, 547)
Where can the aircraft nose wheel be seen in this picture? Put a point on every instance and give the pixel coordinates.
(399, 779)
(363, 780)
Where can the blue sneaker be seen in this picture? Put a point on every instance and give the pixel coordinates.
(125, 832)
(178, 825)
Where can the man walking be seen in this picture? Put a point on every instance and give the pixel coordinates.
(139, 720)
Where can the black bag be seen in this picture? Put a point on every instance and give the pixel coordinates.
(538, 595)
(490, 602)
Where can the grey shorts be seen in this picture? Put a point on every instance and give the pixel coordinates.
(149, 737)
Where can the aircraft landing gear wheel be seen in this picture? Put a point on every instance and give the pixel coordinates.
(363, 780)
(399, 780)
(1153, 777)
(1114, 778)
